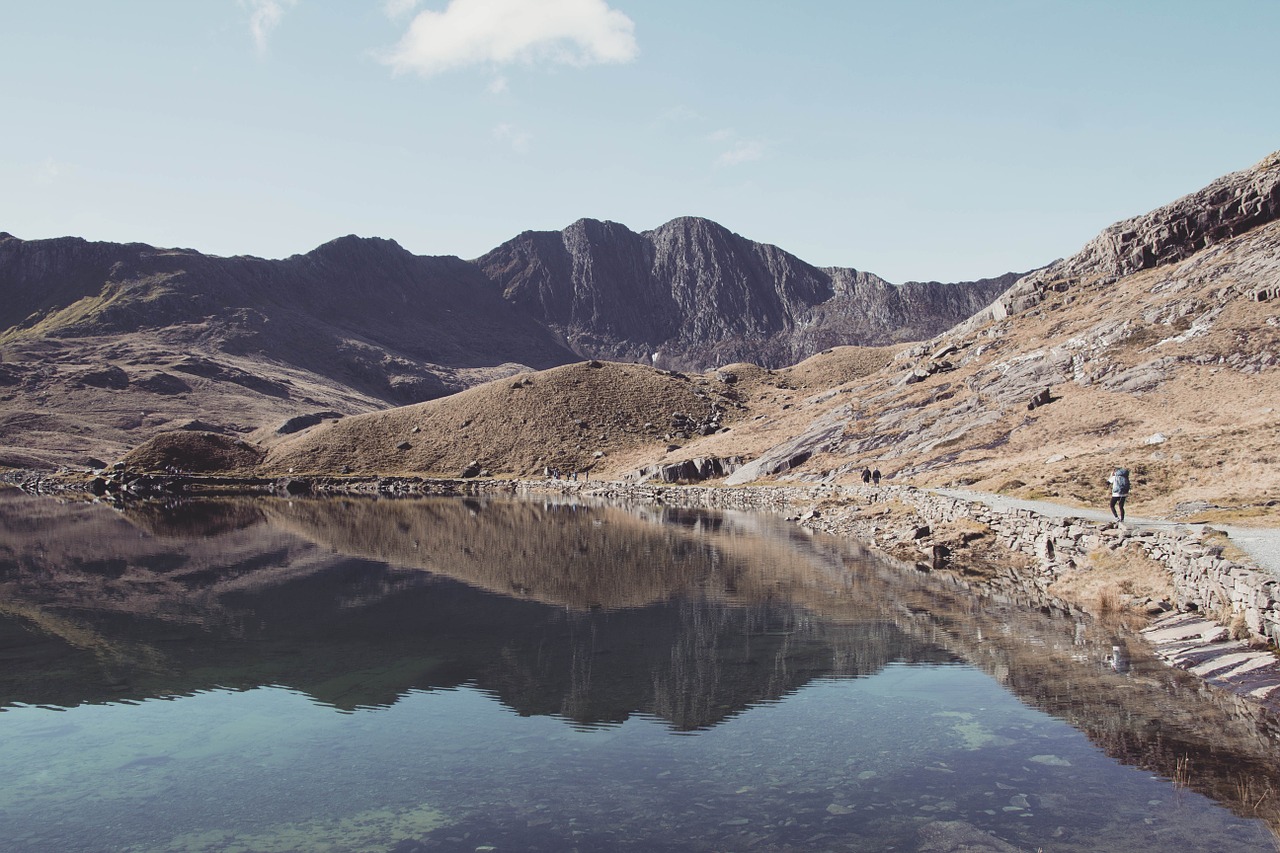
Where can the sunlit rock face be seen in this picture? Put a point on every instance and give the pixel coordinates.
(691, 295)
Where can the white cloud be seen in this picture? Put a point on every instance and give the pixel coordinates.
(497, 86)
(500, 32)
(264, 16)
(515, 137)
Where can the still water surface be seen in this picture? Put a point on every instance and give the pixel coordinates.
(459, 675)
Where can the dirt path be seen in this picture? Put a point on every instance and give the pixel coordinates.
(1262, 544)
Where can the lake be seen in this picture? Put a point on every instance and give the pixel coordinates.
(495, 674)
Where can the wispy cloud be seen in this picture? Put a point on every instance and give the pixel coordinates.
(736, 149)
(679, 114)
(264, 17)
(502, 32)
(397, 9)
(497, 86)
(513, 136)
(742, 151)
(48, 171)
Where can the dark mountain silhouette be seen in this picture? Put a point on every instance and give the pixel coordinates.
(697, 295)
(363, 311)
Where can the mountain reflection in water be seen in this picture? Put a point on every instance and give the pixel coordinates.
(591, 614)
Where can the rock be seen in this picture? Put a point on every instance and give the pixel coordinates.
(921, 532)
(1043, 398)
(162, 383)
(472, 470)
(957, 836)
(297, 423)
(294, 486)
(1157, 438)
(404, 445)
(1142, 377)
(822, 435)
(111, 377)
(688, 471)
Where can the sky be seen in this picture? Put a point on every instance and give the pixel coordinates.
(916, 139)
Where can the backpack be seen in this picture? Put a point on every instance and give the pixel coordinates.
(1122, 481)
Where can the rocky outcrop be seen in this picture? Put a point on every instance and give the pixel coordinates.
(691, 295)
(687, 471)
(1229, 206)
(1226, 208)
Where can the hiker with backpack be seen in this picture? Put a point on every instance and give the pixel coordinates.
(1119, 491)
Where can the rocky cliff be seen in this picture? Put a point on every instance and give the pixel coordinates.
(691, 295)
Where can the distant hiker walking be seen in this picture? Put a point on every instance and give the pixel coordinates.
(1119, 491)
(875, 476)
(866, 475)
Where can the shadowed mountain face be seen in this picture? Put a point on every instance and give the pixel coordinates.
(363, 312)
(691, 295)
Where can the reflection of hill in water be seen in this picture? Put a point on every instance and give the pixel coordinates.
(591, 613)
(564, 554)
(602, 613)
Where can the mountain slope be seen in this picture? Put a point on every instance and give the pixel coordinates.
(103, 345)
(101, 342)
(1158, 343)
(1158, 356)
(691, 295)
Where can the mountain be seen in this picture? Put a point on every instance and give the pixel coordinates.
(103, 345)
(324, 311)
(691, 295)
(101, 342)
(1156, 348)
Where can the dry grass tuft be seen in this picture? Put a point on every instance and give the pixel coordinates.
(1113, 579)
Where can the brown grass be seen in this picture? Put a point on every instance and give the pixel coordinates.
(1113, 579)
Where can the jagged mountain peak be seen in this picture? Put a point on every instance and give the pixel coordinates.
(695, 294)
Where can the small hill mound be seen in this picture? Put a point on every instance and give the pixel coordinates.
(838, 365)
(194, 452)
(567, 418)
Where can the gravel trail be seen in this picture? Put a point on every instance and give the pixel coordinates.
(1262, 544)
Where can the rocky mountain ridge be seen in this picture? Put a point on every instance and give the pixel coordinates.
(103, 344)
(690, 295)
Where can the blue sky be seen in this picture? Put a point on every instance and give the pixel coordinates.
(916, 140)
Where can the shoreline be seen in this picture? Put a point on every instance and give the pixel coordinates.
(1221, 620)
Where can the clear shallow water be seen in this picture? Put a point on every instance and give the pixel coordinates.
(260, 686)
